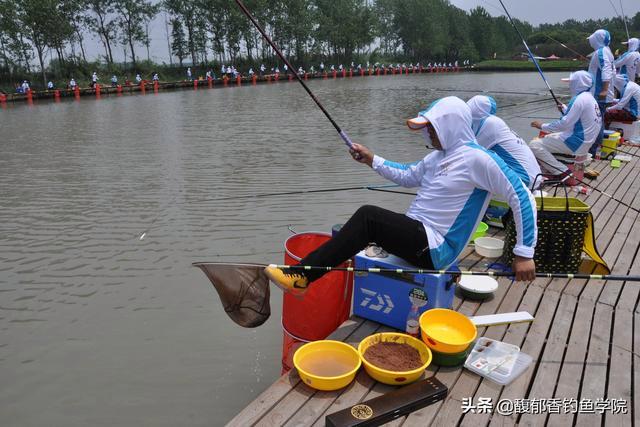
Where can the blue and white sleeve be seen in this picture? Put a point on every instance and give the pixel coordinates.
(567, 122)
(405, 174)
(491, 173)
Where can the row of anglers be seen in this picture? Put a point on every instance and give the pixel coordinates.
(477, 157)
(25, 86)
(231, 71)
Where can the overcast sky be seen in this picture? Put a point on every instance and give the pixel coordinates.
(533, 11)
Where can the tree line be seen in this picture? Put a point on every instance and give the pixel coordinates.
(204, 32)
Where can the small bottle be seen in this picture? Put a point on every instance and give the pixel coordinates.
(413, 324)
(582, 189)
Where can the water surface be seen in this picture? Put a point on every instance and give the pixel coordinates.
(100, 328)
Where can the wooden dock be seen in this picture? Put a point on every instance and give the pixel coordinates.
(582, 341)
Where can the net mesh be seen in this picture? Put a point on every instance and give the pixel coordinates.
(243, 291)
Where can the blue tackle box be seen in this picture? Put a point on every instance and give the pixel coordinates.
(384, 297)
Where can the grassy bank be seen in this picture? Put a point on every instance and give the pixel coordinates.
(519, 65)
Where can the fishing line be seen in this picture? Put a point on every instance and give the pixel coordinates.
(533, 58)
(342, 133)
(609, 277)
(263, 195)
(551, 167)
(566, 47)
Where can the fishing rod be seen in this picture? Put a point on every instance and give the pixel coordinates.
(341, 132)
(610, 277)
(533, 58)
(263, 195)
(571, 175)
(624, 21)
(567, 47)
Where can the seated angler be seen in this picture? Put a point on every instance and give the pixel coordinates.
(574, 133)
(627, 108)
(455, 184)
(493, 134)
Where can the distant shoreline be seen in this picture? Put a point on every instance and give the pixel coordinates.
(518, 65)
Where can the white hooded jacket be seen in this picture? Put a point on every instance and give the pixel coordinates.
(581, 123)
(455, 186)
(629, 62)
(493, 134)
(629, 95)
(601, 66)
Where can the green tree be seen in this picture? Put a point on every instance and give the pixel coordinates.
(101, 21)
(178, 41)
(133, 15)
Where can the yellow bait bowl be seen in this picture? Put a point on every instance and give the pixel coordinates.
(447, 331)
(327, 365)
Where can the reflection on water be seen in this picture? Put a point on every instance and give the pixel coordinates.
(101, 328)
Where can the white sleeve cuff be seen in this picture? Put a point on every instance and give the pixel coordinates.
(524, 251)
(377, 162)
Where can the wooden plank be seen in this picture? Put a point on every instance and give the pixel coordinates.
(635, 404)
(548, 366)
(620, 366)
(595, 373)
(268, 398)
(572, 367)
(533, 344)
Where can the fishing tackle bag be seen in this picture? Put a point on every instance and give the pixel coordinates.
(565, 230)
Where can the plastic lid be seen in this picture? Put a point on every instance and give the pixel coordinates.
(479, 284)
(498, 361)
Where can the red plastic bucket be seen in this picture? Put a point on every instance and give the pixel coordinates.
(290, 343)
(327, 302)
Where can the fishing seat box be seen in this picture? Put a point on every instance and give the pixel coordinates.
(384, 297)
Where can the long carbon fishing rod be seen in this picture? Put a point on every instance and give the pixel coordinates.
(274, 194)
(567, 47)
(342, 133)
(624, 21)
(533, 58)
(609, 196)
(611, 277)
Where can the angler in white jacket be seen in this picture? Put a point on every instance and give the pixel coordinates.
(602, 71)
(627, 108)
(601, 66)
(629, 62)
(493, 134)
(574, 133)
(455, 184)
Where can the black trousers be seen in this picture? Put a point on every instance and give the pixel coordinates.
(395, 233)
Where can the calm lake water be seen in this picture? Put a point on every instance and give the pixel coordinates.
(99, 328)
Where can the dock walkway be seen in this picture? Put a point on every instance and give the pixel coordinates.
(582, 341)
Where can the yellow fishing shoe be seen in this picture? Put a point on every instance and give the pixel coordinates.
(287, 279)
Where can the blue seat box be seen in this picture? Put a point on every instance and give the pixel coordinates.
(384, 297)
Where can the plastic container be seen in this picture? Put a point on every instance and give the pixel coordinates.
(480, 231)
(477, 287)
(290, 344)
(388, 298)
(327, 355)
(447, 331)
(450, 359)
(394, 377)
(327, 302)
(498, 361)
(489, 247)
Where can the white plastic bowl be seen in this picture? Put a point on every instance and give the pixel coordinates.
(489, 247)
